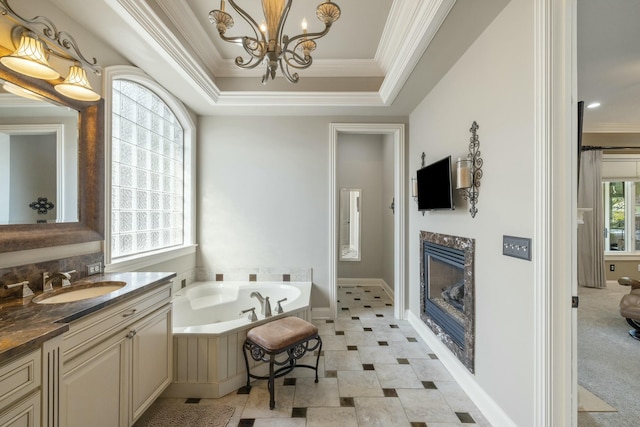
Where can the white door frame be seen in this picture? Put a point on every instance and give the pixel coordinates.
(555, 157)
(397, 131)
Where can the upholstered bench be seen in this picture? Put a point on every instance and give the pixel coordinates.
(281, 342)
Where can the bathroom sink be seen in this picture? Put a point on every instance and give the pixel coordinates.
(79, 292)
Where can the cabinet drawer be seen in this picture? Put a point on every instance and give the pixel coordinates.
(25, 413)
(90, 330)
(20, 377)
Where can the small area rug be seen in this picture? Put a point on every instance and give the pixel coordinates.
(172, 413)
(589, 402)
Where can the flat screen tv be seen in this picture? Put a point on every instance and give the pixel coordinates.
(435, 190)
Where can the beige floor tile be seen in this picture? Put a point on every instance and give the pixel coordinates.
(360, 338)
(427, 406)
(359, 384)
(333, 342)
(430, 370)
(348, 325)
(410, 350)
(396, 376)
(258, 403)
(332, 417)
(311, 394)
(342, 361)
(278, 422)
(380, 412)
(376, 354)
(455, 396)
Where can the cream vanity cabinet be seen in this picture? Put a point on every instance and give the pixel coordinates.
(20, 391)
(117, 361)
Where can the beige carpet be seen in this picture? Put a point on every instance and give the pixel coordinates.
(589, 402)
(172, 413)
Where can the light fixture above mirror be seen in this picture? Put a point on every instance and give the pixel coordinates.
(35, 39)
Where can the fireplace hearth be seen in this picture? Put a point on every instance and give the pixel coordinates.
(447, 289)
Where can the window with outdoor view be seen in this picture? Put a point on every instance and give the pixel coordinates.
(622, 216)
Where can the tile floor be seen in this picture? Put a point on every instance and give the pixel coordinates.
(374, 371)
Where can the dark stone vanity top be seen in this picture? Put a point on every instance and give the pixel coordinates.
(25, 325)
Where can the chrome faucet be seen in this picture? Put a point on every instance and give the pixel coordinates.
(47, 280)
(264, 302)
(26, 291)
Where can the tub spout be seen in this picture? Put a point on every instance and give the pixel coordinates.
(264, 302)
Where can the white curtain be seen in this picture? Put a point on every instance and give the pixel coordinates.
(591, 233)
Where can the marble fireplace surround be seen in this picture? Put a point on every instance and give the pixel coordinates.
(466, 355)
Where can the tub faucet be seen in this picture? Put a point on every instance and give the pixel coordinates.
(264, 302)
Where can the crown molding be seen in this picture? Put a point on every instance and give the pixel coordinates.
(186, 22)
(156, 32)
(394, 32)
(321, 68)
(424, 24)
(305, 99)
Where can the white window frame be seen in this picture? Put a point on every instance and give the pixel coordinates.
(139, 261)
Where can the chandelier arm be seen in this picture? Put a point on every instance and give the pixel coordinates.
(293, 78)
(283, 20)
(309, 36)
(300, 62)
(255, 27)
(254, 61)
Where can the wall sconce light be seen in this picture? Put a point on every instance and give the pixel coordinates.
(469, 171)
(38, 38)
(414, 182)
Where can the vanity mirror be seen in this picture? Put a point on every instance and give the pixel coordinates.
(81, 173)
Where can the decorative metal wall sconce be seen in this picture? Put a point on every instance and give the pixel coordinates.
(414, 182)
(469, 171)
(35, 39)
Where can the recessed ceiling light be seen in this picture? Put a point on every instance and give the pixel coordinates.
(593, 105)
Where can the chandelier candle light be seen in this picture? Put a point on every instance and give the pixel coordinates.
(268, 44)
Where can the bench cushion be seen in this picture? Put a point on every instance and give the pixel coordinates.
(280, 334)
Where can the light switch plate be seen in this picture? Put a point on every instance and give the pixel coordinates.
(517, 247)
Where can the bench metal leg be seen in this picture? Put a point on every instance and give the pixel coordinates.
(294, 352)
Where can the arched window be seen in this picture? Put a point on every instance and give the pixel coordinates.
(149, 175)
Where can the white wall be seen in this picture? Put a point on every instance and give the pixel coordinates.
(493, 84)
(263, 192)
(360, 165)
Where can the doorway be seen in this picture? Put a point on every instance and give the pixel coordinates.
(396, 132)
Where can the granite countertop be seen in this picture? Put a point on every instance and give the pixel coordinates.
(25, 325)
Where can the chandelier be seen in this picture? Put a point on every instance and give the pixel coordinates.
(268, 44)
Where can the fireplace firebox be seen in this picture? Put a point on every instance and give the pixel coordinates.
(447, 290)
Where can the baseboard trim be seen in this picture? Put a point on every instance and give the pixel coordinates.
(367, 282)
(321, 313)
(489, 408)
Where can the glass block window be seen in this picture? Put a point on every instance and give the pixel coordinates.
(147, 176)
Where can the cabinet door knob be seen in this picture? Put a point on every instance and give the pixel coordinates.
(131, 313)
(131, 333)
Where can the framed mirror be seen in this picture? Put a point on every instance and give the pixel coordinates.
(84, 176)
(350, 229)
